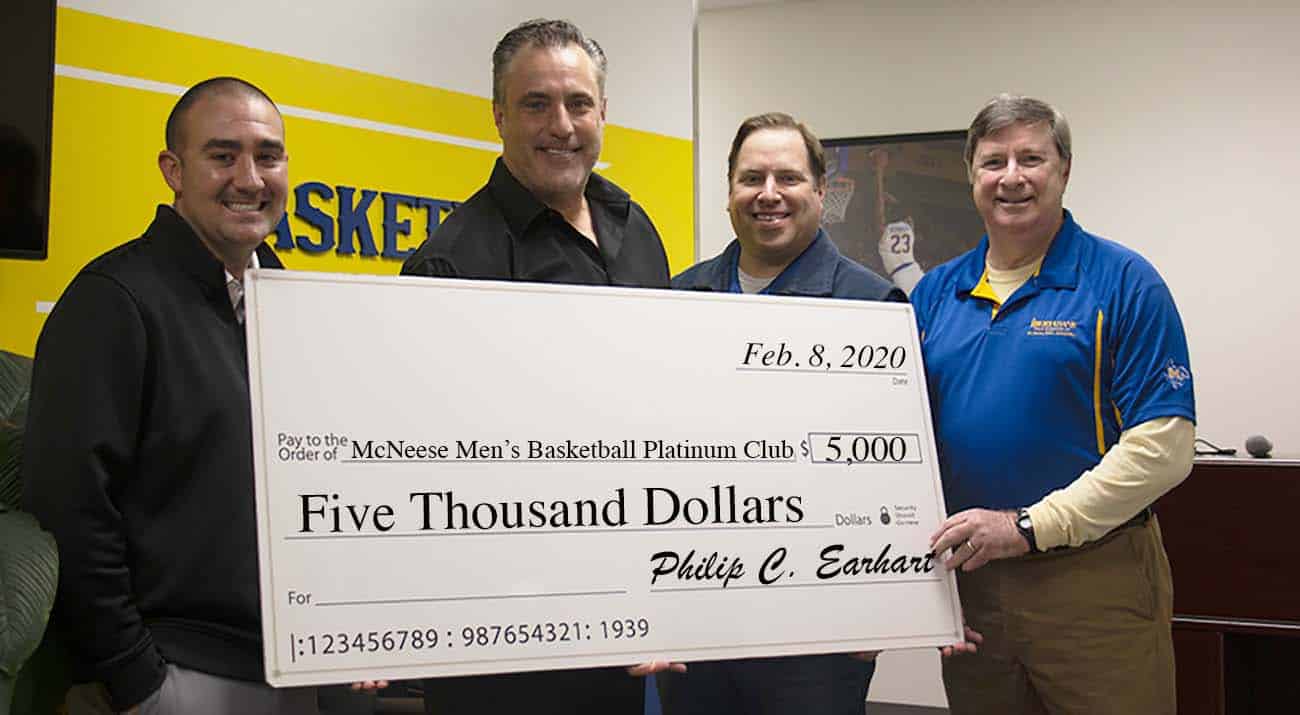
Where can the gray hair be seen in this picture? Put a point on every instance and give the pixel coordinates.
(543, 33)
(1006, 109)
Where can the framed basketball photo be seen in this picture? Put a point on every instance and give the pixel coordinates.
(900, 204)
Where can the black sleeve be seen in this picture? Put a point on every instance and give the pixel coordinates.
(80, 450)
(653, 271)
(460, 252)
(426, 262)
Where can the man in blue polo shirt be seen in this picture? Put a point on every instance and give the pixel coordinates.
(777, 178)
(1062, 400)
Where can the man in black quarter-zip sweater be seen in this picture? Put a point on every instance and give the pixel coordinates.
(138, 450)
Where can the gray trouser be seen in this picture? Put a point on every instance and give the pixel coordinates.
(189, 692)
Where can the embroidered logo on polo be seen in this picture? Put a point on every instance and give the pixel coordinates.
(1062, 328)
(1176, 375)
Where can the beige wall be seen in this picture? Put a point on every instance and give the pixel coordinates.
(1185, 125)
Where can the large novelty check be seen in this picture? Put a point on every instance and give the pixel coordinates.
(459, 477)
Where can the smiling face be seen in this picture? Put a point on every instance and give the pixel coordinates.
(551, 121)
(1018, 182)
(229, 173)
(774, 200)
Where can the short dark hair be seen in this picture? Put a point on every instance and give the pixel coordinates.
(1006, 109)
(192, 95)
(543, 33)
(779, 120)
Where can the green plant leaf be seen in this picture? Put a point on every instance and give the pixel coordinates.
(15, 384)
(29, 572)
(11, 452)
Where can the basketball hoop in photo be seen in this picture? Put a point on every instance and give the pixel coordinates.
(839, 191)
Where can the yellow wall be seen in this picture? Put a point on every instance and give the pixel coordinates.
(117, 80)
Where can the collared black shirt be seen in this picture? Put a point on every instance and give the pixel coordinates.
(503, 232)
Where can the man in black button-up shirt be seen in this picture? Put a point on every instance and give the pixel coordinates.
(545, 217)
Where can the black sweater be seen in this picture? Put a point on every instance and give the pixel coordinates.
(139, 459)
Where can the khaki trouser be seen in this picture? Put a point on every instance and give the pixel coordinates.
(1081, 631)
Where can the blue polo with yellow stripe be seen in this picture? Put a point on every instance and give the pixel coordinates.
(1029, 394)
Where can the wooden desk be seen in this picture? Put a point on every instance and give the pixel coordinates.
(1231, 533)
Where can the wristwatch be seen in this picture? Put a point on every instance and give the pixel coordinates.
(1025, 526)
